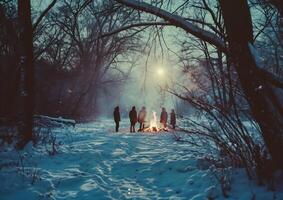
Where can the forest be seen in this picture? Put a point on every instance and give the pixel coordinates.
(200, 80)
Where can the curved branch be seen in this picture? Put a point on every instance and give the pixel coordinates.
(178, 22)
(202, 34)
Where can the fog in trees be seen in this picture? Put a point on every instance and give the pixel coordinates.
(65, 66)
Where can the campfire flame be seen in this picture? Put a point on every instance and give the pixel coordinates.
(153, 121)
(153, 125)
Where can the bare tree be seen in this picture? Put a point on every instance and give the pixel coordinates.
(72, 43)
(26, 70)
(26, 67)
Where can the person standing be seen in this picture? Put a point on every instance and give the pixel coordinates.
(133, 119)
(163, 117)
(173, 118)
(141, 118)
(117, 118)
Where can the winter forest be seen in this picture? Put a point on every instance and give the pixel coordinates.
(141, 99)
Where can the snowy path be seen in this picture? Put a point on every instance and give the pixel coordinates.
(95, 163)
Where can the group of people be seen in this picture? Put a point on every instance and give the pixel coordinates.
(141, 118)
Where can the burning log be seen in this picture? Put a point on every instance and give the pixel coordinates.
(154, 129)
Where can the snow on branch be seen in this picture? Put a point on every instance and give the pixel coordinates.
(272, 78)
(178, 22)
(52, 121)
(202, 34)
(256, 56)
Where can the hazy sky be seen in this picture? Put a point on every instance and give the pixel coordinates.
(160, 68)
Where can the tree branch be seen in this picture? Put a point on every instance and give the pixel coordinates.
(202, 34)
(39, 19)
(136, 25)
(178, 22)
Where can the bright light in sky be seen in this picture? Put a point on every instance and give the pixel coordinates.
(160, 71)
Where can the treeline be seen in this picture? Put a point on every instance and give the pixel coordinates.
(73, 66)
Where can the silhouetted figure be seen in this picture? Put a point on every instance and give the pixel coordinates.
(133, 119)
(163, 117)
(117, 118)
(173, 118)
(141, 118)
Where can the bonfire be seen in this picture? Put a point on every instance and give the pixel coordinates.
(153, 124)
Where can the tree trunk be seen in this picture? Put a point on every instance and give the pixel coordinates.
(259, 93)
(26, 70)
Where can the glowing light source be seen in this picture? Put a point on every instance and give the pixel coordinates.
(160, 71)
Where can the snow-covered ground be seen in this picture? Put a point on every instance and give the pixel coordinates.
(93, 162)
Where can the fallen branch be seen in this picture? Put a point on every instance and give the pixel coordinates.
(47, 121)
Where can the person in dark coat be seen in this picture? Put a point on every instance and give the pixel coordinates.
(163, 117)
(117, 118)
(133, 119)
(141, 118)
(173, 119)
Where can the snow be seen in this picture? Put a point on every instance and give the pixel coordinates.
(53, 121)
(93, 162)
(211, 192)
